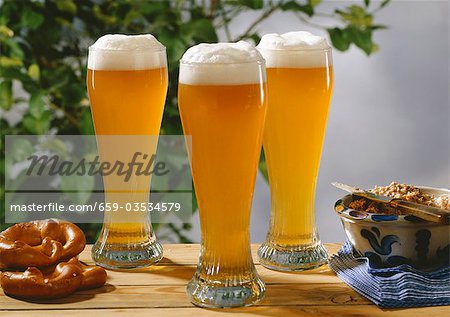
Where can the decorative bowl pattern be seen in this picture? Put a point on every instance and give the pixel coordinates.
(392, 240)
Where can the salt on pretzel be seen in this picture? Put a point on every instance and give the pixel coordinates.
(64, 280)
(40, 243)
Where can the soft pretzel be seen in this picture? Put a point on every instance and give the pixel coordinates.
(40, 243)
(93, 276)
(64, 280)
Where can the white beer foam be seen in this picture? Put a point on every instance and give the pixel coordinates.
(222, 64)
(126, 52)
(294, 49)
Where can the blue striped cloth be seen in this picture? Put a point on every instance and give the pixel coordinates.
(401, 286)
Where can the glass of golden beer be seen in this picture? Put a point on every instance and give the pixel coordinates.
(300, 81)
(127, 85)
(222, 103)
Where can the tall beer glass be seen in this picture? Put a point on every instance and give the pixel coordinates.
(300, 80)
(222, 103)
(127, 85)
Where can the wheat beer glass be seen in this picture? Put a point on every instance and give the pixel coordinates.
(222, 103)
(300, 80)
(127, 85)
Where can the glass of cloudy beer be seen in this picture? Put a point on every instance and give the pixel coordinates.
(300, 81)
(222, 103)
(127, 85)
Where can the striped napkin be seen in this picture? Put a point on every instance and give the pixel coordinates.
(396, 287)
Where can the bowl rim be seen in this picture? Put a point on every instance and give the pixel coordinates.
(367, 217)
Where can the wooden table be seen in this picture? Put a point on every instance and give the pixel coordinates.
(160, 291)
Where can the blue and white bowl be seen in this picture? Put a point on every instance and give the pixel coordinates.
(392, 240)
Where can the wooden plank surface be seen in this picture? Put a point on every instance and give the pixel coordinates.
(151, 296)
(160, 290)
(281, 311)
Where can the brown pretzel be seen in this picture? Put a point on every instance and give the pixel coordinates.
(64, 280)
(93, 276)
(40, 243)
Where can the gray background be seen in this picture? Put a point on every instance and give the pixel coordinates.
(389, 117)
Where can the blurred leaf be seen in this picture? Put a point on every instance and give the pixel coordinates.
(103, 17)
(295, 6)
(64, 22)
(67, 6)
(131, 16)
(361, 38)
(21, 149)
(58, 77)
(339, 39)
(187, 226)
(182, 238)
(72, 94)
(55, 146)
(29, 124)
(194, 200)
(36, 104)
(175, 46)
(202, 31)
(9, 162)
(78, 188)
(160, 182)
(10, 61)
(355, 15)
(33, 71)
(2, 169)
(13, 47)
(255, 37)
(16, 73)
(6, 31)
(384, 3)
(378, 27)
(366, 3)
(153, 7)
(262, 166)
(375, 47)
(31, 19)
(86, 126)
(6, 94)
(314, 2)
(37, 125)
(252, 4)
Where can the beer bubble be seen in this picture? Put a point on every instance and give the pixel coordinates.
(294, 50)
(222, 64)
(126, 52)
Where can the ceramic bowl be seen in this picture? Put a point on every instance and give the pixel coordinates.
(392, 240)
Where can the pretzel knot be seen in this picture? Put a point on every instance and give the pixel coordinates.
(40, 243)
(64, 280)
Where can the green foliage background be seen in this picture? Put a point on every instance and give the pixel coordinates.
(43, 46)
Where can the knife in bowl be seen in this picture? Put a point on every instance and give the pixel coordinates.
(424, 212)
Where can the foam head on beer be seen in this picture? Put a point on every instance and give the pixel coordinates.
(221, 64)
(126, 52)
(294, 49)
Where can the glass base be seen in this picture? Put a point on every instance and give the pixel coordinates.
(218, 295)
(294, 258)
(114, 256)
